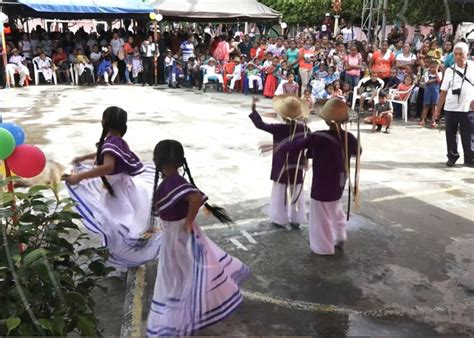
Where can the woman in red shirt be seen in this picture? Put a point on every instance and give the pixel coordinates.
(382, 61)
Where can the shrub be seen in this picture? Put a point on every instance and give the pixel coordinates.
(47, 272)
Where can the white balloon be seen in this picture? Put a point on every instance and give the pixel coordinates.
(159, 17)
(284, 25)
(207, 30)
(3, 17)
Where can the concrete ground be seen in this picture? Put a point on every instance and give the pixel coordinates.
(407, 269)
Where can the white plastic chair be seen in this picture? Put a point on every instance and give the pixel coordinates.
(38, 72)
(404, 103)
(357, 96)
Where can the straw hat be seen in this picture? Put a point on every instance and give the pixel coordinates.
(335, 110)
(14, 50)
(290, 107)
(236, 59)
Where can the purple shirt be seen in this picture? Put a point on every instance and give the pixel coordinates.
(125, 160)
(326, 150)
(171, 203)
(281, 133)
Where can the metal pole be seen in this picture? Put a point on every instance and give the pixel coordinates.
(384, 18)
(336, 24)
(4, 57)
(155, 59)
(369, 31)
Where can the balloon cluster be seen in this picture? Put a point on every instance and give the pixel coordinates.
(24, 160)
(154, 16)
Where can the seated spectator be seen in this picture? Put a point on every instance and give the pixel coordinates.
(194, 72)
(406, 85)
(17, 64)
(212, 71)
(393, 81)
(136, 66)
(45, 67)
(319, 90)
(61, 62)
(83, 67)
(236, 74)
(369, 90)
(95, 55)
(106, 71)
(347, 92)
(253, 75)
(337, 90)
(331, 76)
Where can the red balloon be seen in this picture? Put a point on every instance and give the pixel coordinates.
(27, 161)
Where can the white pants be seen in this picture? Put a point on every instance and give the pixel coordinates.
(234, 79)
(257, 78)
(47, 73)
(281, 213)
(327, 225)
(217, 76)
(22, 70)
(114, 75)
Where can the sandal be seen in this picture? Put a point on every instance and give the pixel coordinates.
(434, 125)
(422, 124)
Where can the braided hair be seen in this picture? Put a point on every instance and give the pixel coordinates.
(113, 118)
(171, 153)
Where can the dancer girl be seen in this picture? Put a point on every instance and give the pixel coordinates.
(113, 197)
(197, 283)
(287, 169)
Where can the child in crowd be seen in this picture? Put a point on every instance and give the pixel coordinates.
(393, 81)
(330, 151)
(287, 169)
(212, 71)
(383, 114)
(337, 90)
(309, 100)
(369, 90)
(347, 92)
(291, 86)
(136, 65)
(45, 66)
(402, 91)
(236, 74)
(83, 67)
(253, 75)
(197, 283)
(107, 70)
(431, 95)
(330, 90)
(113, 197)
(318, 90)
(332, 75)
(271, 79)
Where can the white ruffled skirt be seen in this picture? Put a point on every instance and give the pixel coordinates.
(120, 220)
(197, 283)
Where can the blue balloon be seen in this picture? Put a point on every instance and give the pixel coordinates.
(17, 132)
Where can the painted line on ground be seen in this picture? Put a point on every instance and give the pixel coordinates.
(132, 312)
(248, 236)
(329, 308)
(413, 194)
(239, 245)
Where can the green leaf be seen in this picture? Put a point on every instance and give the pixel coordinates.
(45, 324)
(75, 299)
(12, 323)
(58, 325)
(34, 255)
(97, 267)
(86, 326)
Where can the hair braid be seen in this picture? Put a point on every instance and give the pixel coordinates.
(153, 200)
(100, 160)
(217, 212)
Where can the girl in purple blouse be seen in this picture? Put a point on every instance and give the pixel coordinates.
(113, 197)
(197, 283)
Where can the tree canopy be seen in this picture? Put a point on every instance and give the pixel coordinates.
(417, 12)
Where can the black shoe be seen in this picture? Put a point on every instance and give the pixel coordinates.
(450, 163)
(469, 164)
(295, 226)
(387, 131)
(379, 127)
(340, 245)
(278, 225)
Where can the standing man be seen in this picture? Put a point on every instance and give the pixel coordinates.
(457, 97)
(186, 49)
(348, 33)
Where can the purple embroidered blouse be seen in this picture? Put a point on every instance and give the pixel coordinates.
(281, 133)
(171, 194)
(125, 160)
(326, 150)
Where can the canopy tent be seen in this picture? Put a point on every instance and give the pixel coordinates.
(85, 9)
(214, 10)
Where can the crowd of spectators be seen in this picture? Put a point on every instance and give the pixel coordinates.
(315, 64)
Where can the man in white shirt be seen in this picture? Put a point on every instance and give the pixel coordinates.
(16, 65)
(457, 97)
